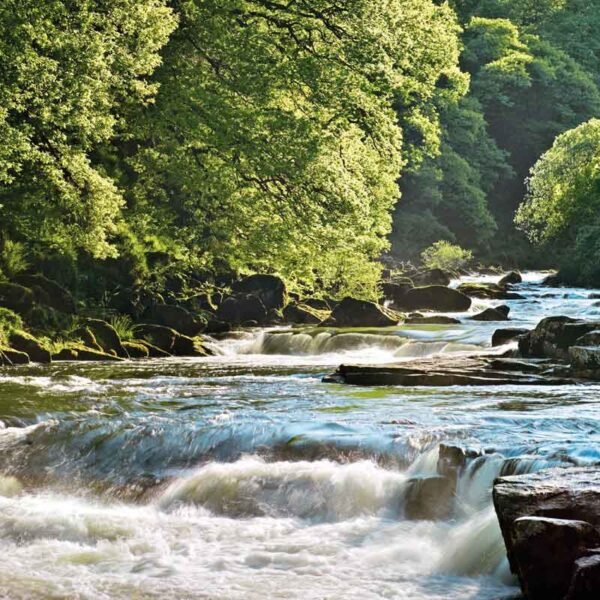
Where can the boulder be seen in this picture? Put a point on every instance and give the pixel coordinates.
(269, 288)
(544, 552)
(431, 277)
(242, 308)
(10, 357)
(154, 351)
(498, 313)
(503, 336)
(571, 494)
(48, 292)
(24, 342)
(87, 338)
(65, 354)
(585, 582)
(216, 326)
(435, 297)
(395, 292)
(511, 278)
(175, 317)
(88, 354)
(433, 320)
(304, 315)
(553, 336)
(157, 336)
(488, 291)
(188, 346)
(136, 349)
(591, 338)
(453, 459)
(106, 337)
(584, 358)
(318, 303)
(16, 297)
(429, 497)
(361, 313)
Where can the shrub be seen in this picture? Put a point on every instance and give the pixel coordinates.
(123, 325)
(13, 258)
(9, 321)
(446, 256)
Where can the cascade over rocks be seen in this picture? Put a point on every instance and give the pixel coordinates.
(435, 297)
(270, 289)
(361, 313)
(550, 520)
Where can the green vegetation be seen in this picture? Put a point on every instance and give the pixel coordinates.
(160, 148)
(446, 256)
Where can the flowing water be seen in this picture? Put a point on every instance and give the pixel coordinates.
(243, 476)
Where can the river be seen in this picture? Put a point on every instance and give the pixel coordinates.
(244, 476)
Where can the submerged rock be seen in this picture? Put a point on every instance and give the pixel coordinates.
(361, 313)
(271, 290)
(435, 297)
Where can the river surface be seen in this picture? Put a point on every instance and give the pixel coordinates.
(244, 476)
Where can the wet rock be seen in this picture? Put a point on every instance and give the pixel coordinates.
(361, 313)
(395, 292)
(241, 309)
(432, 320)
(159, 336)
(88, 354)
(585, 582)
(429, 497)
(498, 313)
(511, 278)
(436, 298)
(136, 349)
(585, 358)
(24, 342)
(553, 337)
(216, 326)
(269, 288)
(544, 552)
(154, 351)
(453, 459)
(106, 336)
(553, 280)
(48, 292)
(175, 317)
(304, 315)
(488, 291)
(188, 346)
(10, 357)
(565, 501)
(16, 297)
(589, 339)
(503, 336)
(431, 277)
(318, 303)
(453, 370)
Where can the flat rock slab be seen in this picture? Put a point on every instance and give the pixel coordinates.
(479, 370)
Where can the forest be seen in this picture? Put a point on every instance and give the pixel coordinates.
(157, 146)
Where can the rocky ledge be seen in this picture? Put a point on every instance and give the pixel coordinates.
(462, 370)
(550, 521)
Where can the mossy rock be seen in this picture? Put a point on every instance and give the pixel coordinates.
(10, 357)
(154, 351)
(106, 336)
(87, 338)
(66, 354)
(187, 346)
(25, 342)
(16, 297)
(48, 292)
(157, 335)
(136, 349)
(88, 354)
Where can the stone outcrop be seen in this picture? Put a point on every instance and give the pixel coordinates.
(242, 309)
(177, 318)
(25, 342)
(550, 521)
(10, 357)
(488, 291)
(269, 288)
(435, 297)
(457, 370)
(429, 497)
(169, 341)
(361, 313)
(303, 314)
(106, 337)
